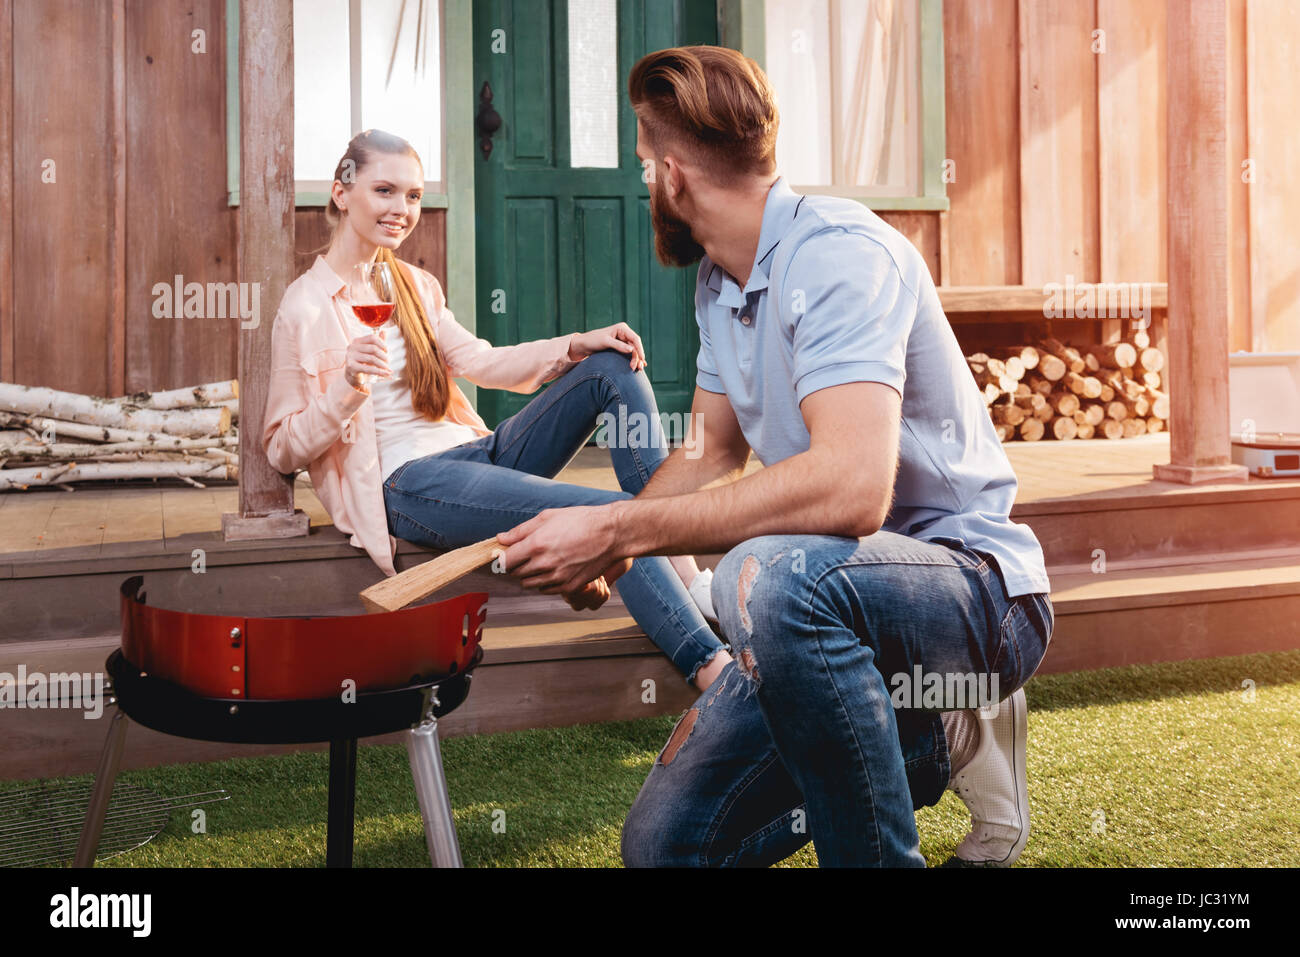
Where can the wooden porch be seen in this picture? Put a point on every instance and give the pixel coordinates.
(1142, 570)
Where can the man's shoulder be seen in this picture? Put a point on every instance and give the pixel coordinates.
(838, 237)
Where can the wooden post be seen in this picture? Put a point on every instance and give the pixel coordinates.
(1196, 72)
(266, 244)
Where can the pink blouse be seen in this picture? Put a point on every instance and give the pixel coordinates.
(316, 420)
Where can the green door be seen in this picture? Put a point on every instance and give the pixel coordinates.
(564, 247)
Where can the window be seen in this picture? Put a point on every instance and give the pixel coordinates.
(357, 66)
(860, 88)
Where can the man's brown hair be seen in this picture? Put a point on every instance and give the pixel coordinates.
(713, 104)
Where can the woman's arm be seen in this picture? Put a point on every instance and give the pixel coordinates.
(302, 421)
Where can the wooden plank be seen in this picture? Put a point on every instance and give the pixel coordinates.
(7, 191)
(118, 239)
(983, 141)
(177, 219)
(922, 229)
(1273, 45)
(1131, 147)
(1240, 192)
(1058, 142)
(63, 109)
(1016, 298)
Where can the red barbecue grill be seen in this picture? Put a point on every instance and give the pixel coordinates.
(296, 680)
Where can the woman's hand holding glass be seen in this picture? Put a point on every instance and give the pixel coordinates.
(366, 355)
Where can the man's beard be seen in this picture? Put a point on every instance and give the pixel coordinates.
(674, 244)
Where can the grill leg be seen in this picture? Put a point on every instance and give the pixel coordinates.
(431, 791)
(342, 803)
(105, 775)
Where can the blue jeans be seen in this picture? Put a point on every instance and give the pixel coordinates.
(473, 491)
(802, 736)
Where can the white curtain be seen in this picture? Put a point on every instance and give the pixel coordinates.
(847, 77)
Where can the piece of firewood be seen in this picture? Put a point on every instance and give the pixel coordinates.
(1065, 403)
(1080, 417)
(55, 474)
(1151, 380)
(1094, 412)
(1027, 355)
(1154, 424)
(1052, 367)
(1045, 412)
(1008, 414)
(1086, 431)
(210, 393)
(1067, 354)
(1111, 429)
(426, 578)
(92, 410)
(1150, 360)
(1116, 411)
(1031, 430)
(1063, 428)
(1112, 355)
(1005, 432)
(1141, 339)
(1107, 393)
(1039, 384)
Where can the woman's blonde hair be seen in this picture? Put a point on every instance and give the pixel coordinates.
(426, 368)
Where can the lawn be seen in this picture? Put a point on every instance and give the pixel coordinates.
(1192, 764)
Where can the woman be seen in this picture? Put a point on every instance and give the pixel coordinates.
(393, 446)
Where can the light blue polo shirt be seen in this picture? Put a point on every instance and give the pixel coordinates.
(837, 295)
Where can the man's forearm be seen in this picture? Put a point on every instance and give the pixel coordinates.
(800, 495)
(680, 474)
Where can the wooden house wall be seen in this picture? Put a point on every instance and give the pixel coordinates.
(1059, 157)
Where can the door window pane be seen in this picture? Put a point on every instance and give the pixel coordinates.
(847, 80)
(593, 83)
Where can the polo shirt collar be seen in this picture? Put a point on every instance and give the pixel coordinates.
(327, 277)
(778, 212)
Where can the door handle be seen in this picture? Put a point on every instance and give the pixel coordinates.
(488, 120)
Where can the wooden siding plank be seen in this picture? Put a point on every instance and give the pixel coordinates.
(1058, 142)
(983, 141)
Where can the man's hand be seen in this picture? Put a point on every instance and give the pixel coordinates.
(590, 596)
(561, 551)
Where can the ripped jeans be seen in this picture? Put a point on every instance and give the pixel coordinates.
(473, 491)
(818, 728)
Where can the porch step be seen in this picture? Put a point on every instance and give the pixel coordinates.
(1164, 521)
(544, 667)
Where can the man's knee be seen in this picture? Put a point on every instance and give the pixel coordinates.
(754, 572)
(644, 840)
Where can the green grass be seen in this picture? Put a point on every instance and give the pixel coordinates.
(1143, 766)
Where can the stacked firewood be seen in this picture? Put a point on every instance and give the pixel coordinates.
(48, 437)
(1059, 391)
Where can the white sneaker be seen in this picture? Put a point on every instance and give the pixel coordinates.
(701, 592)
(993, 786)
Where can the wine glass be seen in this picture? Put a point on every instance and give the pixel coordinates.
(374, 295)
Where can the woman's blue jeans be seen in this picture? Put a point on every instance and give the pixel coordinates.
(473, 491)
(815, 729)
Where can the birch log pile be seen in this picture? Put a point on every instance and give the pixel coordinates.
(50, 437)
(1067, 392)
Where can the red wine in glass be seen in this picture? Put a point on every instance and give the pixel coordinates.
(373, 315)
(373, 294)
